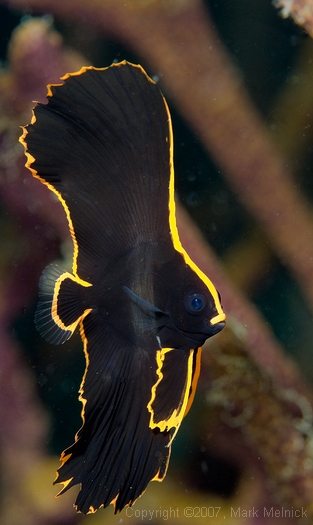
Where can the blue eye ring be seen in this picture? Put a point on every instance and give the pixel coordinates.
(195, 303)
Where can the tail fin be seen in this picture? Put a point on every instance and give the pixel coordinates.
(60, 307)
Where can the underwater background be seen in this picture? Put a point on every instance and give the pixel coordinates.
(238, 78)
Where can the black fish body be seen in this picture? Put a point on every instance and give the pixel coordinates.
(103, 145)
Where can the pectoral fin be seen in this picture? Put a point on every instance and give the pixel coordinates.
(148, 316)
(60, 307)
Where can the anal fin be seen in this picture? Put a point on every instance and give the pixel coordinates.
(60, 307)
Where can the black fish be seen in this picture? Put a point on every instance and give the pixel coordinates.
(103, 145)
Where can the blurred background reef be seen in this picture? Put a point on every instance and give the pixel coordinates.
(238, 77)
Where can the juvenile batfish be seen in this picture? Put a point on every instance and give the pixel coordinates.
(103, 144)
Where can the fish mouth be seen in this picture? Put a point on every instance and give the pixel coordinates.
(209, 331)
(216, 328)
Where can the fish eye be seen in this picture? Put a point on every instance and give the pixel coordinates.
(195, 303)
